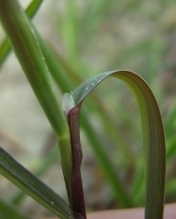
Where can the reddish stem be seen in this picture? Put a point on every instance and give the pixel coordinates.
(77, 195)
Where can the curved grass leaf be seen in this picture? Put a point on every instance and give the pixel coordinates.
(31, 185)
(153, 134)
(5, 47)
(60, 71)
(65, 83)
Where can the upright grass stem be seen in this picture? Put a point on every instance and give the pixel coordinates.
(27, 49)
(26, 46)
(5, 48)
(76, 183)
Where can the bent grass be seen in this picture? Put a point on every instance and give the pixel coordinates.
(37, 62)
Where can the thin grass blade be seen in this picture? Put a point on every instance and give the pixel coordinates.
(31, 185)
(45, 165)
(153, 134)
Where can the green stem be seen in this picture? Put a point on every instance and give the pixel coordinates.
(5, 47)
(26, 46)
(27, 49)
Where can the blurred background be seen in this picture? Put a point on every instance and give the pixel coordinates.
(89, 37)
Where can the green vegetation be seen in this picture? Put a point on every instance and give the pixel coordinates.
(97, 38)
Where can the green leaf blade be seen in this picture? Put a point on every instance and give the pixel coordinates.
(23, 179)
(153, 135)
(154, 145)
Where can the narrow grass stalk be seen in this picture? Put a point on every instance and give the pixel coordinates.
(27, 49)
(69, 30)
(77, 198)
(5, 47)
(26, 46)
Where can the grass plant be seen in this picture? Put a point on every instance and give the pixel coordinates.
(42, 64)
